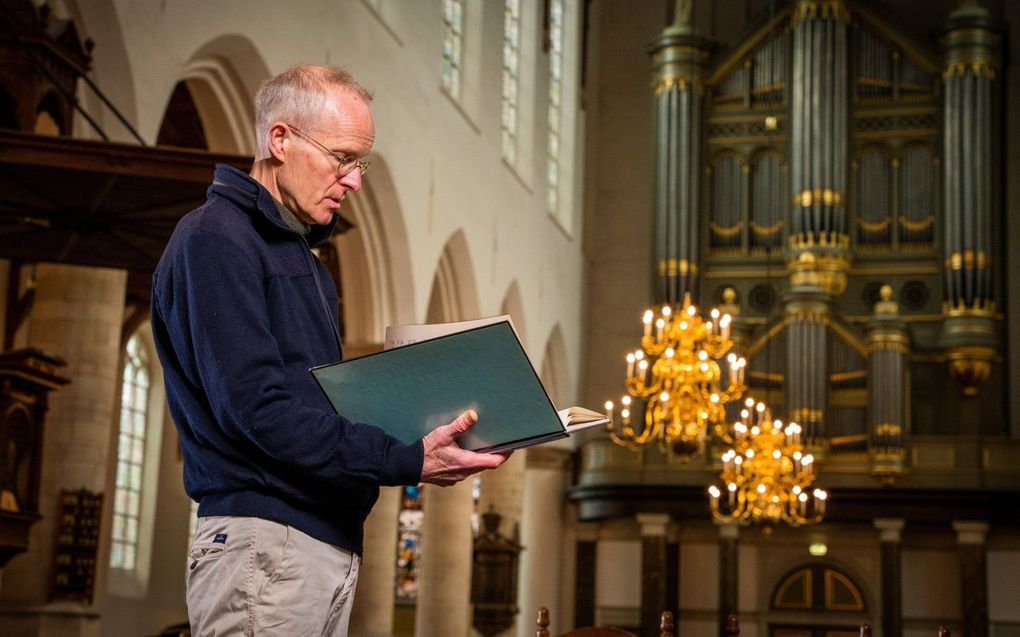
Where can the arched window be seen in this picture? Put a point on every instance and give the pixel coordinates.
(453, 44)
(830, 601)
(818, 587)
(555, 101)
(409, 544)
(511, 76)
(130, 456)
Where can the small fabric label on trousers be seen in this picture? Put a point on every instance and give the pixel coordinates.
(221, 538)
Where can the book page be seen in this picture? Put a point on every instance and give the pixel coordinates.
(577, 418)
(400, 335)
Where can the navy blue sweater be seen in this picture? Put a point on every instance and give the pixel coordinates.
(238, 320)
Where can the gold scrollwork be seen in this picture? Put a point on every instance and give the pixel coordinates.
(981, 307)
(811, 196)
(961, 68)
(842, 377)
(820, 10)
(887, 429)
(968, 259)
(766, 231)
(833, 239)
(875, 226)
(807, 315)
(970, 366)
(917, 226)
(774, 377)
(806, 414)
(726, 231)
(886, 343)
(666, 83)
(673, 267)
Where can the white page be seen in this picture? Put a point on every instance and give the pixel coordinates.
(400, 335)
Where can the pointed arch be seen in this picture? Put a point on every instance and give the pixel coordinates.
(222, 77)
(375, 268)
(554, 373)
(513, 306)
(454, 293)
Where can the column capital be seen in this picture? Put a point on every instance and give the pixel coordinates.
(970, 531)
(653, 524)
(728, 530)
(890, 528)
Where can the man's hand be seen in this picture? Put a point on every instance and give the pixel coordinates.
(446, 463)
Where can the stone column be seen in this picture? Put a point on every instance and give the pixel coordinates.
(547, 469)
(892, 577)
(502, 491)
(372, 615)
(653, 570)
(585, 574)
(970, 537)
(77, 316)
(443, 606)
(729, 533)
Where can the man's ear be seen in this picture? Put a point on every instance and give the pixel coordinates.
(277, 141)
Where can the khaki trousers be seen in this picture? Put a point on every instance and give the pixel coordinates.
(249, 576)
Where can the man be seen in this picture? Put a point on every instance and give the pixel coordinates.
(241, 310)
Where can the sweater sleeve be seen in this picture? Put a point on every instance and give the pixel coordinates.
(214, 305)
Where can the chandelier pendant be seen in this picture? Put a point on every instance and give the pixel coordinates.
(766, 474)
(676, 380)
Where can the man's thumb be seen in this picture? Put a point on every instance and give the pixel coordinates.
(465, 421)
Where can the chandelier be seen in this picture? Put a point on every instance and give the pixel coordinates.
(765, 472)
(676, 380)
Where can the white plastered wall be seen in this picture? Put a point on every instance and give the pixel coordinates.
(444, 159)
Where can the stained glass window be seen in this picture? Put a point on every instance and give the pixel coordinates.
(476, 496)
(130, 456)
(555, 101)
(453, 40)
(511, 75)
(409, 544)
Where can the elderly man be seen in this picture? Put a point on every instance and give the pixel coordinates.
(241, 309)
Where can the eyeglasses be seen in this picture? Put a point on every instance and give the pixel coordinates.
(346, 163)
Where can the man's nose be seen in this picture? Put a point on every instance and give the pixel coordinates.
(352, 180)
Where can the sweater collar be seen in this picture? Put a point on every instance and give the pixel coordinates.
(242, 189)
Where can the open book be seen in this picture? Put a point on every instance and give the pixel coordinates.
(430, 374)
(578, 418)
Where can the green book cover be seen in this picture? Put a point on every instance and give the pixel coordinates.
(411, 390)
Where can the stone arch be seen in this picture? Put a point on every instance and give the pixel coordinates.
(555, 373)
(513, 306)
(454, 293)
(375, 267)
(222, 77)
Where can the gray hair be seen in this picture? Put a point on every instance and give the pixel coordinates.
(299, 96)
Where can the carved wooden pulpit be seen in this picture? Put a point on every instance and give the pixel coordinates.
(26, 378)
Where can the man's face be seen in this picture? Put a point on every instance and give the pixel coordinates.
(309, 183)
